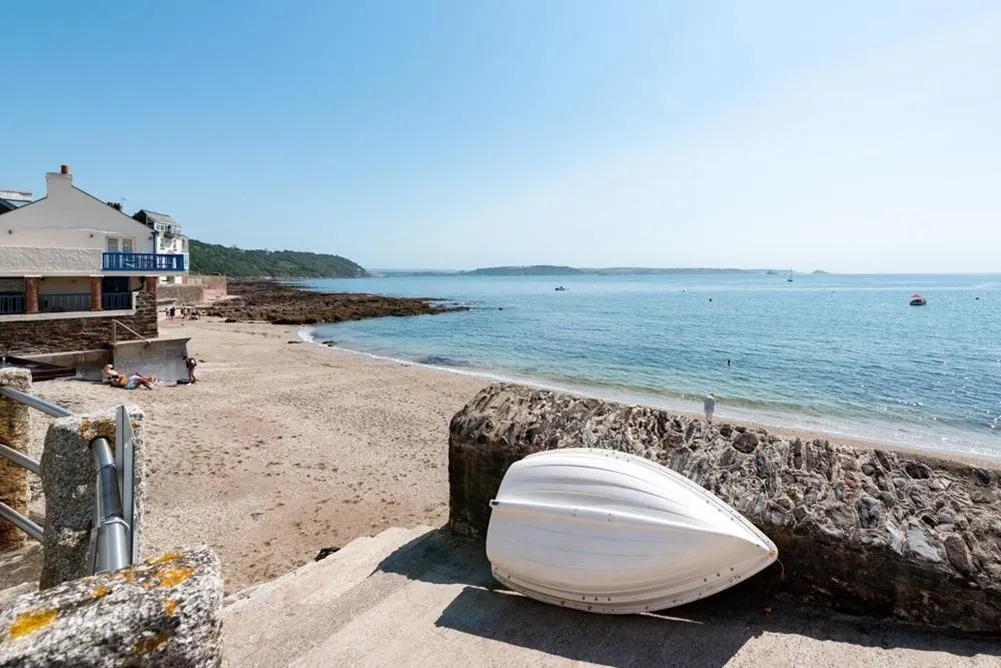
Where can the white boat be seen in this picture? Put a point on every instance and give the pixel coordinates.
(608, 532)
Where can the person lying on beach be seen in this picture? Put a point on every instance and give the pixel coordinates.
(128, 382)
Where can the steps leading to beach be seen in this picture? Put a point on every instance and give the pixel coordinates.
(419, 597)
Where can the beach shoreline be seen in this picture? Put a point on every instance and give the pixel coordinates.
(284, 448)
(723, 413)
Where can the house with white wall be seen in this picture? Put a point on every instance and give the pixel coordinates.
(70, 264)
(169, 238)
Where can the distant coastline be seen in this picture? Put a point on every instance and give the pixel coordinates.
(563, 270)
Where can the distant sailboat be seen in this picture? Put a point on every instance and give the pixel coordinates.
(789, 278)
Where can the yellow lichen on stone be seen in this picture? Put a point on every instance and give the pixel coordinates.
(151, 644)
(128, 574)
(170, 556)
(100, 591)
(170, 606)
(29, 622)
(172, 575)
(91, 429)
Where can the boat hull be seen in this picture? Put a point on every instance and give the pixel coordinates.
(608, 532)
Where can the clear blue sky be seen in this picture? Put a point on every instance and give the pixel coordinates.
(850, 136)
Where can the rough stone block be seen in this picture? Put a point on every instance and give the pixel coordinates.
(69, 481)
(15, 429)
(861, 530)
(164, 612)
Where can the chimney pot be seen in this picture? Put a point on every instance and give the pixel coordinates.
(64, 169)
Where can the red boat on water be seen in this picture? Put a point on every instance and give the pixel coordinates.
(918, 300)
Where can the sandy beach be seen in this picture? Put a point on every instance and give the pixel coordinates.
(286, 447)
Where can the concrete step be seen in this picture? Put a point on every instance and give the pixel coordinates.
(274, 623)
(423, 598)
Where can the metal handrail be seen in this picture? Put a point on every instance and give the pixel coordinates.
(116, 543)
(20, 521)
(114, 331)
(35, 402)
(21, 459)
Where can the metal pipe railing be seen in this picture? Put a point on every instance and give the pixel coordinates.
(20, 521)
(35, 402)
(112, 531)
(21, 459)
(114, 331)
(115, 546)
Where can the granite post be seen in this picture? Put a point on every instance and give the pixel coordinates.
(68, 478)
(163, 612)
(15, 428)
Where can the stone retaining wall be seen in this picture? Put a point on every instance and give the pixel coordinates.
(60, 334)
(165, 612)
(866, 531)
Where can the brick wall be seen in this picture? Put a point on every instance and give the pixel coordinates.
(34, 337)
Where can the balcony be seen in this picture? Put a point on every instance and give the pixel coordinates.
(151, 262)
(16, 304)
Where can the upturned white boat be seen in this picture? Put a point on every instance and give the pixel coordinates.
(609, 532)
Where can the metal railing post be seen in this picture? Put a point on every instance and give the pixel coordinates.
(112, 531)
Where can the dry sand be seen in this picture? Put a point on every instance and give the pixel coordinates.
(284, 447)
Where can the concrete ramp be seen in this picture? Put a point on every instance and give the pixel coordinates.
(159, 357)
(413, 597)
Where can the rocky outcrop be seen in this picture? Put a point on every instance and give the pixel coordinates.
(283, 304)
(165, 612)
(866, 531)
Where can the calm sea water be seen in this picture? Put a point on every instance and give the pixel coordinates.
(844, 354)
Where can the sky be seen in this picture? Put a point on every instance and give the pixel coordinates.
(850, 136)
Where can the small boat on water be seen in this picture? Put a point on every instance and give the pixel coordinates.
(918, 300)
(561, 289)
(609, 532)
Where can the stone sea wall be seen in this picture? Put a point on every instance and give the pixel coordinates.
(865, 531)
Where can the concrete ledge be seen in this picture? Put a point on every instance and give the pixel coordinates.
(22, 317)
(165, 612)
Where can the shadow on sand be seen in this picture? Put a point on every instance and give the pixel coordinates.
(707, 634)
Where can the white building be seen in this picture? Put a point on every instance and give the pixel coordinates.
(169, 238)
(71, 256)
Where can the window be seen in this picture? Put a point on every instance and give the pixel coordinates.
(126, 245)
(112, 244)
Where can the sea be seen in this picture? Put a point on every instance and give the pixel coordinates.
(842, 354)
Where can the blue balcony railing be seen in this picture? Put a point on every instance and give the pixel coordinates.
(143, 262)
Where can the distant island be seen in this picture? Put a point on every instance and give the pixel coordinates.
(231, 261)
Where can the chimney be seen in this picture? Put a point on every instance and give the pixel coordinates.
(58, 182)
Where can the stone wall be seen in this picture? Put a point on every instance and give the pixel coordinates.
(866, 531)
(165, 612)
(181, 293)
(35, 337)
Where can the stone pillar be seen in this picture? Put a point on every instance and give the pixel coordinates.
(15, 428)
(164, 612)
(68, 478)
(31, 294)
(95, 294)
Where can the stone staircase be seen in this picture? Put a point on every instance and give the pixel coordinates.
(419, 597)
